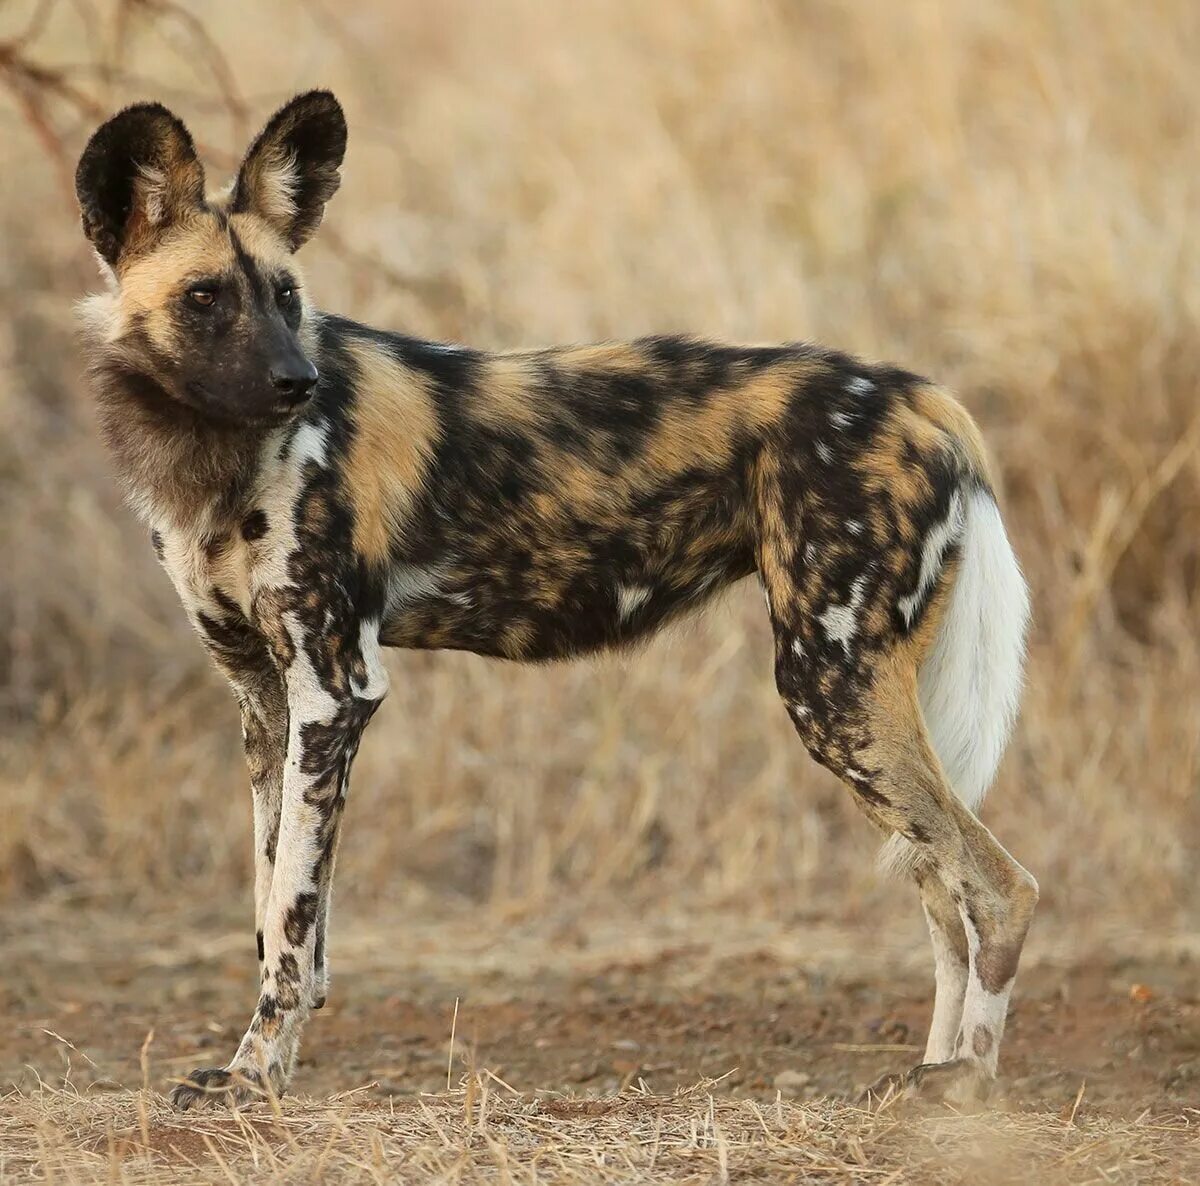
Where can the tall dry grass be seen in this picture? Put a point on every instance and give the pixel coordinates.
(1004, 195)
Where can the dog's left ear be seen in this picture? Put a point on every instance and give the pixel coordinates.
(291, 170)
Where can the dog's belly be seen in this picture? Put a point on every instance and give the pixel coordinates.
(528, 609)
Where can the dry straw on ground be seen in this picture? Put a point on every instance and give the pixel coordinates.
(1002, 194)
(483, 1132)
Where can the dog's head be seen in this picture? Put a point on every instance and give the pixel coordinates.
(204, 298)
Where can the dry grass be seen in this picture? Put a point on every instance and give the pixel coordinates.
(1002, 194)
(484, 1132)
(1012, 215)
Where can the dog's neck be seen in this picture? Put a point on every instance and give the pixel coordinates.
(181, 470)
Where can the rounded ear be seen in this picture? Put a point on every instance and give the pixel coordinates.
(137, 175)
(291, 170)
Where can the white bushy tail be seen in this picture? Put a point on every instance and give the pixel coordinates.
(970, 682)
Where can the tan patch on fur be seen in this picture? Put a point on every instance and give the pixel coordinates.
(578, 486)
(618, 357)
(507, 382)
(262, 243)
(190, 250)
(518, 637)
(775, 548)
(687, 436)
(395, 430)
(507, 396)
(940, 408)
(885, 468)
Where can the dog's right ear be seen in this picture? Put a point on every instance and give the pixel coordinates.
(138, 174)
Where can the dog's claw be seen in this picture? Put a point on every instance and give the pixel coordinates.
(210, 1085)
(960, 1083)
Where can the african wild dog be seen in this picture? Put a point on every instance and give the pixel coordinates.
(317, 490)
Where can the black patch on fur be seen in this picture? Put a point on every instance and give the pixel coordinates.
(287, 980)
(255, 525)
(232, 639)
(299, 919)
(261, 289)
(869, 794)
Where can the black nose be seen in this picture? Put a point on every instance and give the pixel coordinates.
(294, 381)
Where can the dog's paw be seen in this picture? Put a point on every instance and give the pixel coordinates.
(962, 1084)
(217, 1085)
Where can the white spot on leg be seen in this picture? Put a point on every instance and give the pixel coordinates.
(308, 701)
(950, 974)
(840, 622)
(376, 684)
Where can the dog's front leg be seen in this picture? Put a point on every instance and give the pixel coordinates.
(326, 714)
(265, 737)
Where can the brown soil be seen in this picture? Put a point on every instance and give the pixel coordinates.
(550, 1007)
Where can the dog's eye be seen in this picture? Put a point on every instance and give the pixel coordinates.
(202, 296)
(285, 294)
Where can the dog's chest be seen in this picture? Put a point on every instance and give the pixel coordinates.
(212, 573)
(219, 569)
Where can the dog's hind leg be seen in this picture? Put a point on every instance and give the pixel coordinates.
(873, 736)
(951, 959)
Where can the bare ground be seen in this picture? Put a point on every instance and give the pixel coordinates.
(576, 1023)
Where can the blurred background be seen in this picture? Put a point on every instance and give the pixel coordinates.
(1003, 195)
